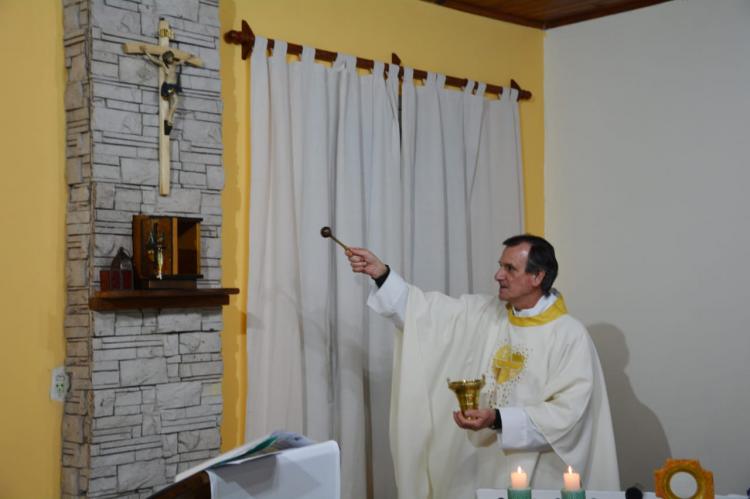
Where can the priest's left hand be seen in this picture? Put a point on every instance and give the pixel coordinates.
(475, 419)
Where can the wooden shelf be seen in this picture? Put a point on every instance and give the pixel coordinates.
(161, 298)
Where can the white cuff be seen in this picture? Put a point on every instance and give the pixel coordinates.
(390, 300)
(520, 433)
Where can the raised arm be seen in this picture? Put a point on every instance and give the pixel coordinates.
(389, 300)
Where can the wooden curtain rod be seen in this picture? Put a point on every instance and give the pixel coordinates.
(246, 38)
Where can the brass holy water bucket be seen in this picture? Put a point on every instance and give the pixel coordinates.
(467, 392)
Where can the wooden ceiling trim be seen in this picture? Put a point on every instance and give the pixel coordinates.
(601, 12)
(487, 12)
(545, 14)
(544, 10)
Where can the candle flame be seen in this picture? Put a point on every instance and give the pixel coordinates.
(520, 470)
(570, 469)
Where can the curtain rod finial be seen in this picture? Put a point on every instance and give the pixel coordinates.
(522, 94)
(245, 38)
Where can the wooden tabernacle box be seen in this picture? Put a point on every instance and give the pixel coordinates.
(166, 252)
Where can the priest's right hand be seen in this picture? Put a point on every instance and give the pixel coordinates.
(475, 419)
(365, 262)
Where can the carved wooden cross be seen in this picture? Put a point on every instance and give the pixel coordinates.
(168, 59)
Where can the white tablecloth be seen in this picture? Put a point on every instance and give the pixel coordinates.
(590, 494)
(311, 472)
(555, 494)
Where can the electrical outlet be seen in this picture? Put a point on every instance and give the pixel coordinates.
(60, 384)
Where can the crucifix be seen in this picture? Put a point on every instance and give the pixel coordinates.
(168, 60)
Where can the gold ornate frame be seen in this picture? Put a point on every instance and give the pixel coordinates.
(704, 479)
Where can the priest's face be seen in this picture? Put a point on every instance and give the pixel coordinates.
(518, 287)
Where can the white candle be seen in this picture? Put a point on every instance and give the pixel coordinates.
(519, 479)
(571, 481)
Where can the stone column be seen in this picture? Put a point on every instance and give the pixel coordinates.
(145, 401)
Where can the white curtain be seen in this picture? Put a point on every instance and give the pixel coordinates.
(464, 187)
(326, 151)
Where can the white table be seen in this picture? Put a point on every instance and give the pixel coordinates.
(311, 472)
(590, 494)
(555, 494)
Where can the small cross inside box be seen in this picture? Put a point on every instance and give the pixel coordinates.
(166, 252)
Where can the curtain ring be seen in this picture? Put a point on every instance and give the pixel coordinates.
(408, 75)
(261, 45)
(279, 49)
(308, 55)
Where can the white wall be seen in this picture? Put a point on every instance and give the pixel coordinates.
(646, 178)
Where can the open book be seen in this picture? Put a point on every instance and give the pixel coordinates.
(265, 446)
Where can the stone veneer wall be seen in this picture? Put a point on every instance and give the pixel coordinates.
(145, 400)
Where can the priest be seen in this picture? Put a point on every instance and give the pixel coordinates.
(544, 406)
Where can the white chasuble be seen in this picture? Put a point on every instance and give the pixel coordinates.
(545, 364)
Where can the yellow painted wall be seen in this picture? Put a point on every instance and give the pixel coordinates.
(32, 156)
(425, 36)
(32, 253)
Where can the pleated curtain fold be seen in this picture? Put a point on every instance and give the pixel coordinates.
(433, 197)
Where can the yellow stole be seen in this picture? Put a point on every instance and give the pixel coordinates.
(557, 309)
